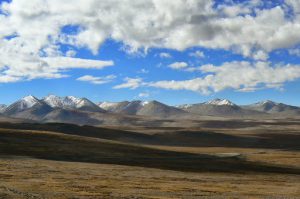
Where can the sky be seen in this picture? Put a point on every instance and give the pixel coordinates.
(176, 52)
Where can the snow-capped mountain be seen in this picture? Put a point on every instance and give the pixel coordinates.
(71, 102)
(61, 102)
(86, 105)
(22, 104)
(137, 107)
(218, 107)
(70, 108)
(220, 102)
(273, 107)
(54, 101)
(158, 109)
(111, 106)
(27, 103)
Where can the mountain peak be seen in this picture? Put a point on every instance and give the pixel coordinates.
(52, 97)
(29, 97)
(82, 102)
(29, 101)
(59, 102)
(220, 102)
(72, 98)
(106, 105)
(268, 102)
(22, 104)
(53, 101)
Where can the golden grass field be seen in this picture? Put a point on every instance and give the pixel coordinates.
(35, 178)
(260, 160)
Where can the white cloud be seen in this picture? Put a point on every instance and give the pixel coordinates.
(96, 80)
(71, 53)
(248, 90)
(144, 95)
(36, 26)
(7, 79)
(165, 55)
(260, 55)
(32, 67)
(178, 65)
(131, 83)
(178, 24)
(294, 4)
(69, 62)
(237, 76)
(241, 76)
(198, 54)
(295, 52)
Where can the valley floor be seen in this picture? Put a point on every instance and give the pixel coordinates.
(219, 159)
(34, 178)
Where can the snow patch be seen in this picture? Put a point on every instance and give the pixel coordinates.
(220, 102)
(144, 103)
(107, 105)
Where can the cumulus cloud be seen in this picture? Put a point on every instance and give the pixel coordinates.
(198, 54)
(235, 10)
(238, 75)
(295, 52)
(21, 67)
(178, 65)
(31, 32)
(179, 24)
(71, 53)
(260, 55)
(144, 95)
(165, 55)
(96, 80)
(131, 83)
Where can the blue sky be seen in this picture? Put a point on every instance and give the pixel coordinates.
(188, 58)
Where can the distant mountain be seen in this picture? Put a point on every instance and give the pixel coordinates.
(273, 107)
(157, 109)
(218, 107)
(113, 106)
(54, 101)
(28, 107)
(125, 107)
(220, 102)
(71, 102)
(216, 102)
(147, 108)
(69, 116)
(75, 110)
(23, 104)
(132, 107)
(84, 104)
(2, 108)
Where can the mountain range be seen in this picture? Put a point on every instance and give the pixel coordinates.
(71, 109)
